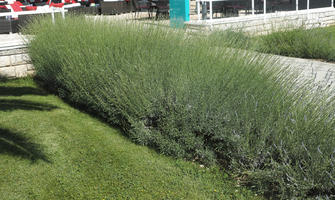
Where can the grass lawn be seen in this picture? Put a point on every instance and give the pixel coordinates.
(49, 150)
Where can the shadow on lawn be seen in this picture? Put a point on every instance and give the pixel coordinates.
(19, 91)
(13, 104)
(13, 143)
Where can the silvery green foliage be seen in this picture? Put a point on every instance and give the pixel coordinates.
(185, 97)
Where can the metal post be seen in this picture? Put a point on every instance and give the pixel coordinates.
(52, 16)
(10, 23)
(264, 6)
(211, 9)
(297, 5)
(63, 13)
(307, 5)
(332, 3)
(253, 7)
(198, 9)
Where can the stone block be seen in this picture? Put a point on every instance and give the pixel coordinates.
(331, 18)
(21, 70)
(19, 59)
(30, 67)
(5, 61)
(31, 73)
(327, 14)
(8, 72)
(256, 23)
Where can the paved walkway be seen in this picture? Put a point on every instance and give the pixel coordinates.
(323, 73)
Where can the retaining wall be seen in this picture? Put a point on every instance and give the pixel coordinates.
(262, 24)
(15, 63)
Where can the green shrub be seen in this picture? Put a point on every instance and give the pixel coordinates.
(182, 96)
(317, 43)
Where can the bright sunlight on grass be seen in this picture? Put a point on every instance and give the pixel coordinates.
(48, 150)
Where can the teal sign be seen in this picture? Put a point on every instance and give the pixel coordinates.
(179, 12)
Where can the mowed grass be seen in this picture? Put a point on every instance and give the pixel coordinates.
(49, 150)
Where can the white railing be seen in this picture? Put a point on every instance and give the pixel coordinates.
(51, 11)
(252, 6)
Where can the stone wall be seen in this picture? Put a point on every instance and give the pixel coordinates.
(15, 63)
(262, 24)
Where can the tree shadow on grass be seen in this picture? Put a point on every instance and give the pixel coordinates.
(15, 144)
(19, 91)
(14, 104)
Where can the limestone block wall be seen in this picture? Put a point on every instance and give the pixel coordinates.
(262, 24)
(15, 63)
